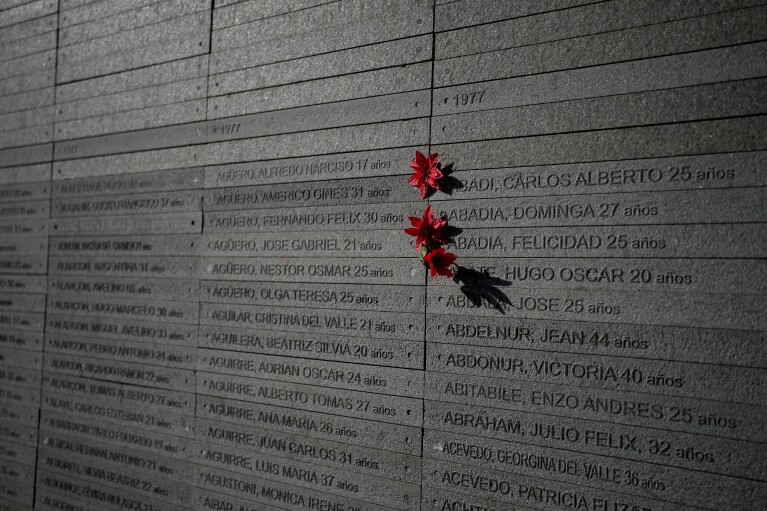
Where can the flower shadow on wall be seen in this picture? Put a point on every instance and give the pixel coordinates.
(432, 232)
(482, 288)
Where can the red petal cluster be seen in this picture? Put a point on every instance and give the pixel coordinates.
(427, 230)
(425, 173)
(440, 261)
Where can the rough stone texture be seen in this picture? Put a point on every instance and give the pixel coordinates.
(207, 301)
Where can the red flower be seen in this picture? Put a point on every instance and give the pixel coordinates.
(439, 262)
(427, 230)
(425, 172)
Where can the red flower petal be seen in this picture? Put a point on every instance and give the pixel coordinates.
(427, 229)
(413, 231)
(440, 261)
(425, 172)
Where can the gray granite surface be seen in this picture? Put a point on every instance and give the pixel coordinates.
(208, 302)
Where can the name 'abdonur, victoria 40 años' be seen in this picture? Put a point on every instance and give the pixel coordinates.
(383, 255)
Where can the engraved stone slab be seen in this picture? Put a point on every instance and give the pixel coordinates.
(138, 440)
(30, 322)
(326, 193)
(104, 391)
(82, 24)
(56, 488)
(324, 244)
(452, 15)
(27, 119)
(528, 490)
(19, 339)
(738, 422)
(148, 289)
(672, 207)
(334, 296)
(301, 20)
(13, 451)
(624, 274)
(140, 481)
(331, 218)
(631, 44)
(18, 434)
(11, 506)
(21, 227)
(147, 246)
(296, 145)
(99, 461)
(16, 358)
(14, 413)
(322, 40)
(118, 52)
(24, 263)
(124, 351)
(670, 309)
(166, 180)
(353, 404)
(22, 302)
(25, 156)
(315, 424)
(311, 269)
(26, 100)
(363, 460)
(309, 476)
(29, 28)
(353, 60)
(129, 40)
(171, 379)
(23, 245)
(382, 352)
(145, 118)
(308, 169)
(702, 137)
(714, 171)
(17, 482)
(150, 203)
(75, 12)
(254, 492)
(22, 283)
(405, 326)
(638, 109)
(121, 266)
(390, 107)
(171, 223)
(22, 377)
(737, 385)
(130, 308)
(23, 83)
(569, 23)
(129, 415)
(31, 209)
(387, 81)
(708, 66)
(231, 12)
(134, 79)
(24, 192)
(386, 380)
(700, 488)
(689, 344)
(19, 395)
(159, 333)
(701, 241)
(23, 177)
(146, 139)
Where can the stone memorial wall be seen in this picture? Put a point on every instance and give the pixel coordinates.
(208, 302)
